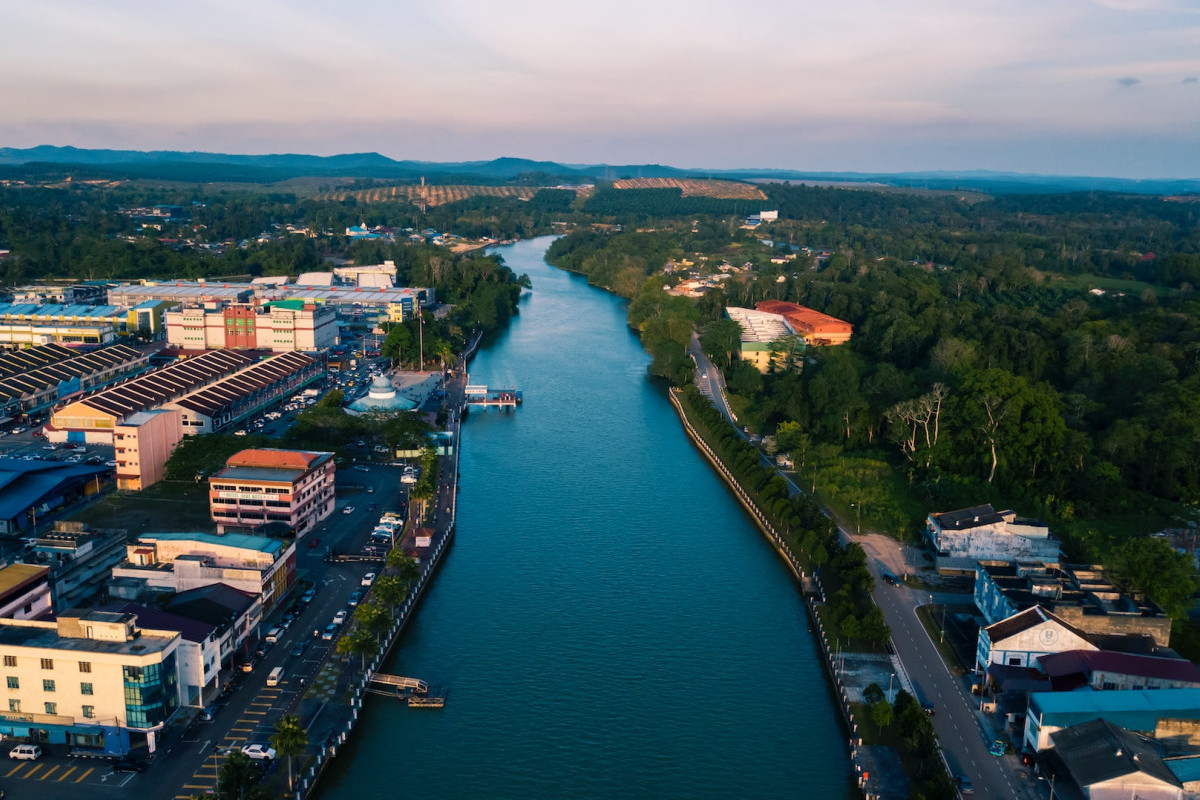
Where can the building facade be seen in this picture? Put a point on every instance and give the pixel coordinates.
(92, 680)
(280, 327)
(265, 485)
(982, 532)
(142, 444)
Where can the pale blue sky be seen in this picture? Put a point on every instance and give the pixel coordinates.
(1099, 87)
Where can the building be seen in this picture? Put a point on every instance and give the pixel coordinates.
(361, 304)
(24, 591)
(70, 295)
(92, 680)
(35, 379)
(56, 314)
(959, 538)
(236, 614)
(78, 334)
(226, 402)
(1022, 639)
(177, 562)
(198, 656)
(80, 562)
(184, 293)
(1102, 761)
(93, 418)
(1105, 670)
(148, 318)
(1080, 595)
(1170, 716)
(32, 492)
(767, 341)
(375, 275)
(811, 325)
(294, 487)
(143, 443)
(281, 326)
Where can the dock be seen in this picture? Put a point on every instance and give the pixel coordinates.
(482, 396)
(414, 690)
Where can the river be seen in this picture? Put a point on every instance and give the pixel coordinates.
(609, 623)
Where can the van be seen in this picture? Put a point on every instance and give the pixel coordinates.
(890, 578)
(273, 635)
(275, 677)
(26, 752)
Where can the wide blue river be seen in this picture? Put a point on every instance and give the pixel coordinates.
(609, 623)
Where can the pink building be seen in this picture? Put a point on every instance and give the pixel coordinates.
(294, 487)
(143, 443)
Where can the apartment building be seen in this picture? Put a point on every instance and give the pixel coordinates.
(143, 443)
(294, 487)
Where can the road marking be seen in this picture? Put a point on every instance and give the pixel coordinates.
(89, 771)
(14, 769)
(195, 786)
(66, 774)
(33, 771)
(50, 772)
(260, 713)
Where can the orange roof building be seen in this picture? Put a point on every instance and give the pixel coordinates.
(812, 326)
(294, 487)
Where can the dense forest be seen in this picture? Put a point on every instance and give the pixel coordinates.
(982, 369)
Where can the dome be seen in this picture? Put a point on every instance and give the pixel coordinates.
(381, 389)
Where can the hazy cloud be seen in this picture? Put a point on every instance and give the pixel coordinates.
(1190, 79)
(1128, 82)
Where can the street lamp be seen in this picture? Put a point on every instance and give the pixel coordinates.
(891, 698)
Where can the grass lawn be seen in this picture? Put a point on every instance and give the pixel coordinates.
(868, 494)
(165, 506)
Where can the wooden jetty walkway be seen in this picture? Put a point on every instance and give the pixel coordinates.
(414, 690)
(481, 396)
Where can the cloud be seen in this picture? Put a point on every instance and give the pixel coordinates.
(1191, 79)
(1128, 82)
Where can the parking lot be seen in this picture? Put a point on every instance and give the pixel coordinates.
(84, 772)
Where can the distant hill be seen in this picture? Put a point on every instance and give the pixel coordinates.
(273, 168)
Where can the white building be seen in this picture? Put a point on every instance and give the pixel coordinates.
(92, 680)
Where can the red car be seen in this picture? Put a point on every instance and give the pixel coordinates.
(313, 542)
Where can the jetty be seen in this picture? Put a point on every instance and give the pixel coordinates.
(482, 396)
(414, 690)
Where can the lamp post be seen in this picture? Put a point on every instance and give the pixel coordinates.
(891, 698)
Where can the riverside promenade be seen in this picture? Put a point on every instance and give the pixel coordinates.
(330, 710)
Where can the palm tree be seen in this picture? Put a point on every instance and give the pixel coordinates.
(391, 589)
(290, 739)
(373, 618)
(363, 642)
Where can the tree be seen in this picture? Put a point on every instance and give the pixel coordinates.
(373, 618)
(238, 778)
(364, 643)
(720, 340)
(290, 739)
(1150, 565)
(391, 589)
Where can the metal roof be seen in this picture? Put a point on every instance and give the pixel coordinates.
(224, 394)
(166, 383)
(25, 483)
(79, 365)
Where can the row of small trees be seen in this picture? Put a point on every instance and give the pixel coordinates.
(849, 612)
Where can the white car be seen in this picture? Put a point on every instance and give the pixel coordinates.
(368, 579)
(348, 510)
(339, 617)
(259, 752)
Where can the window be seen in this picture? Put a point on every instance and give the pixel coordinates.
(1109, 686)
(14, 682)
(14, 705)
(10, 661)
(89, 712)
(85, 666)
(52, 708)
(47, 686)
(47, 663)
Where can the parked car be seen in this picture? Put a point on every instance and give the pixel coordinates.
(998, 748)
(368, 579)
(259, 752)
(209, 713)
(299, 648)
(329, 632)
(348, 510)
(26, 752)
(339, 617)
(308, 596)
(965, 786)
(128, 765)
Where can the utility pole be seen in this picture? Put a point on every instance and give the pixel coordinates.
(420, 339)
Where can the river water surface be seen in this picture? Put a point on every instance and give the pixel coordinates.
(609, 623)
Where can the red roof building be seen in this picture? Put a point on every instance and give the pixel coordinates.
(293, 487)
(812, 326)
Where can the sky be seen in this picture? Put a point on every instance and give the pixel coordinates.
(1065, 87)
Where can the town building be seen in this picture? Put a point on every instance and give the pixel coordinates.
(177, 562)
(80, 561)
(230, 400)
(142, 445)
(294, 487)
(184, 293)
(281, 326)
(767, 341)
(812, 326)
(960, 538)
(76, 334)
(198, 656)
(375, 275)
(32, 492)
(68, 295)
(1170, 716)
(1023, 638)
(360, 304)
(38, 314)
(1102, 761)
(93, 418)
(93, 681)
(1080, 595)
(24, 591)
(35, 379)
(236, 615)
(1105, 670)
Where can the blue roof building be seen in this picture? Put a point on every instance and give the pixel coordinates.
(1135, 710)
(32, 492)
